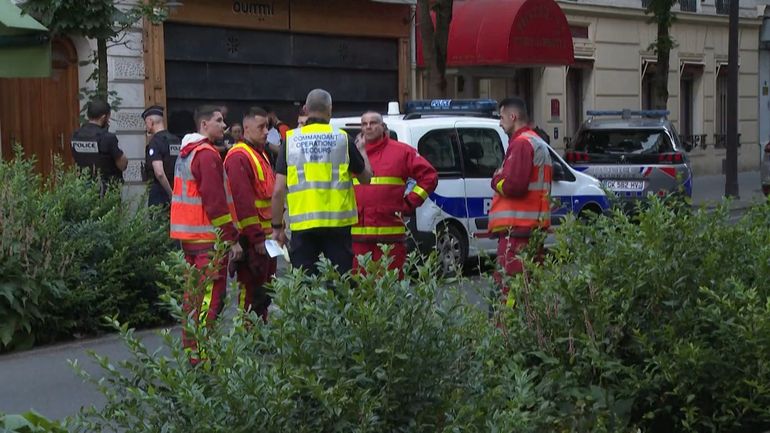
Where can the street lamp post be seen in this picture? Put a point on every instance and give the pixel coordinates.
(731, 169)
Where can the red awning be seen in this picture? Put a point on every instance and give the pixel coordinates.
(506, 32)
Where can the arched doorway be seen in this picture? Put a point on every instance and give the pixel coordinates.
(42, 113)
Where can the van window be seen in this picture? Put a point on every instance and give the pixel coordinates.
(482, 151)
(612, 146)
(440, 148)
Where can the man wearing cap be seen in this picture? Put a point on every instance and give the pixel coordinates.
(160, 157)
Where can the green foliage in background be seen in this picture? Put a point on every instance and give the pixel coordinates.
(68, 257)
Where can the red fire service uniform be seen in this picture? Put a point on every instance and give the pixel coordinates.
(198, 207)
(521, 203)
(382, 204)
(251, 180)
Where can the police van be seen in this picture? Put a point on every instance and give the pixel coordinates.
(463, 140)
(634, 153)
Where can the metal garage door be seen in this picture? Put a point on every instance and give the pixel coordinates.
(241, 68)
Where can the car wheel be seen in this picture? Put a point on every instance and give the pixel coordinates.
(452, 248)
(589, 213)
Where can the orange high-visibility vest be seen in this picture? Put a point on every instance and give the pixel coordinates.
(533, 210)
(189, 221)
(264, 181)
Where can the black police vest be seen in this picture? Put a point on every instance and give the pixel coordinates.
(88, 152)
(172, 146)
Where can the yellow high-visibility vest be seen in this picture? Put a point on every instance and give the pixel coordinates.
(320, 186)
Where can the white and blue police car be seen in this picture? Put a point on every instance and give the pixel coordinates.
(463, 140)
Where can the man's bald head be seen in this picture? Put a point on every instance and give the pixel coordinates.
(319, 104)
(372, 115)
(372, 126)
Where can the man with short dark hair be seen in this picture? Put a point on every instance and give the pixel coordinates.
(522, 186)
(198, 208)
(251, 181)
(160, 157)
(314, 174)
(227, 141)
(96, 149)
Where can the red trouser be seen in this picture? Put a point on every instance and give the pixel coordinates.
(397, 253)
(508, 249)
(253, 272)
(205, 304)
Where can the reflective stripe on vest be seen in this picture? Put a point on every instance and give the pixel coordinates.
(264, 182)
(378, 231)
(320, 188)
(189, 221)
(383, 180)
(534, 209)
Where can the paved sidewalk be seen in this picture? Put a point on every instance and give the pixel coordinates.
(42, 379)
(709, 190)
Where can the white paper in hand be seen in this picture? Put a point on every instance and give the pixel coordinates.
(275, 250)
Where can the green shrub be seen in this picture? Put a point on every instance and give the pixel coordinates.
(358, 354)
(29, 422)
(69, 257)
(663, 321)
(657, 324)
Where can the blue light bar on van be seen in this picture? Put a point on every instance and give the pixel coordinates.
(485, 106)
(627, 114)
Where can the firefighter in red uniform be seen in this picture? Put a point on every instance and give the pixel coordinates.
(251, 180)
(521, 203)
(382, 204)
(198, 208)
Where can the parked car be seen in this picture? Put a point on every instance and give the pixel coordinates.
(633, 153)
(463, 140)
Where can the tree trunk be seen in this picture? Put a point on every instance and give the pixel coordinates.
(101, 65)
(435, 40)
(660, 79)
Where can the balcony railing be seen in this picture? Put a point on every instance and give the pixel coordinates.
(688, 5)
(723, 7)
(699, 141)
(720, 141)
(692, 142)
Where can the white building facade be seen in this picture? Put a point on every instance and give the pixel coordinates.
(613, 67)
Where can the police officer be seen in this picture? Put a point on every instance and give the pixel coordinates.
(96, 149)
(160, 157)
(314, 175)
